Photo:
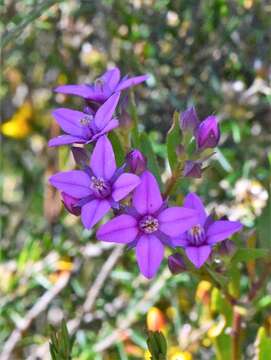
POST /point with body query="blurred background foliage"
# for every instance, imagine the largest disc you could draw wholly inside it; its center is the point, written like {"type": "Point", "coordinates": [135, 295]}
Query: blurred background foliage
{"type": "Point", "coordinates": [214, 54]}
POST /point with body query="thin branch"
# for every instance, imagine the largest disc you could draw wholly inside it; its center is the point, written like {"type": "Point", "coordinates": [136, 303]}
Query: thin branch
{"type": "Point", "coordinates": [95, 289]}
{"type": "Point", "coordinates": [141, 307]}
{"type": "Point", "coordinates": [40, 306]}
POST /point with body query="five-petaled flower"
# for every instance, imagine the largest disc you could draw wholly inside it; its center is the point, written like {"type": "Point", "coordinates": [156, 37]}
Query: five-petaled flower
{"type": "Point", "coordinates": [103, 87]}
{"type": "Point", "coordinates": [82, 128]}
{"type": "Point", "coordinates": [201, 237]}
{"type": "Point", "coordinates": [98, 187]}
{"type": "Point", "coordinates": [148, 225]}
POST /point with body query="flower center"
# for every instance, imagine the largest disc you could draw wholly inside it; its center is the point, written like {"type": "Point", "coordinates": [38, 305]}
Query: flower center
{"type": "Point", "coordinates": [86, 120]}
{"type": "Point", "coordinates": [196, 235]}
{"type": "Point", "coordinates": [149, 224]}
{"type": "Point", "coordinates": [100, 187]}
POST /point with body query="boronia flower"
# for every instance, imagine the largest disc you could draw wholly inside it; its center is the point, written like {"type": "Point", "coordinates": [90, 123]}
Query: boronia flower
{"type": "Point", "coordinates": [98, 187]}
{"type": "Point", "coordinates": [103, 87]}
{"type": "Point", "coordinates": [149, 225]}
{"type": "Point", "coordinates": [201, 237]}
{"type": "Point", "coordinates": [82, 128]}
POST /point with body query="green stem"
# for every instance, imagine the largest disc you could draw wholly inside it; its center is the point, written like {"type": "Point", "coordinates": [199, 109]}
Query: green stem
{"type": "Point", "coordinates": [220, 286]}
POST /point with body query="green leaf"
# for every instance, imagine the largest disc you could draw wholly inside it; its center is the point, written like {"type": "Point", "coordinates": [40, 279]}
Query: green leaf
{"type": "Point", "coordinates": [246, 255]}
{"type": "Point", "coordinates": [157, 345]}
{"type": "Point", "coordinates": [223, 346]}
{"type": "Point", "coordinates": [146, 148]}
{"type": "Point", "coordinates": [173, 140]}
{"type": "Point", "coordinates": [61, 343]}
{"type": "Point", "coordinates": [117, 147]}
{"type": "Point", "coordinates": [264, 225]}
{"type": "Point", "coordinates": [263, 344]}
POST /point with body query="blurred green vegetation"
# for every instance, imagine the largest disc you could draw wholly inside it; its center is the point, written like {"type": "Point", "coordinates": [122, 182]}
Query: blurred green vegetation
{"type": "Point", "coordinates": [214, 54]}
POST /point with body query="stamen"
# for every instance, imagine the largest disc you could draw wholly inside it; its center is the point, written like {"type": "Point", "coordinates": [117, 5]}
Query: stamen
{"type": "Point", "coordinates": [149, 224]}
{"type": "Point", "coordinates": [196, 235]}
{"type": "Point", "coordinates": [100, 187]}
{"type": "Point", "coordinates": [86, 120]}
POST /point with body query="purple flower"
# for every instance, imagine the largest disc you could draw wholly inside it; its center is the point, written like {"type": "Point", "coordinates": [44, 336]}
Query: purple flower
{"type": "Point", "coordinates": [208, 133]}
{"type": "Point", "coordinates": [70, 204]}
{"type": "Point", "coordinates": [103, 87]}
{"type": "Point", "coordinates": [82, 128]}
{"type": "Point", "coordinates": [176, 264]}
{"type": "Point", "coordinates": [136, 161]}
{"type": "Point", "coordinates": [201, 237]}
{"type": "Point", "coordinates": [99, 187]}
{"type": "Point", "coordinates": [189, 119]}
{"type": "Point", "coordinates": [149, 225]}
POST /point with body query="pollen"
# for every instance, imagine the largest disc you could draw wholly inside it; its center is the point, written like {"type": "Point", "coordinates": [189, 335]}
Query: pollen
{"type": "Point", "coordinates": [149, 224]}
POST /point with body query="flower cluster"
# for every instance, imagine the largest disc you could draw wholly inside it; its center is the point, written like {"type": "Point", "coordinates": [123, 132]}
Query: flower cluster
{"type": "Point", "coordinates": [143, 218]}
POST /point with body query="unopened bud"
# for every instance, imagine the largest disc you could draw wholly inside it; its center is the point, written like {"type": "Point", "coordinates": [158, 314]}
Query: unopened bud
{"type": "Point", "coordinates": [70, 204]}
{"type": "Point", "coordinates": [192, 169]}
{"type": "Point", "coordinates": [189, 119]}
{"type": "Point", "coordinates": [136, 161]}
{"type": "Point", "coordinates": [80, 155]}
{"type": "Point", "coordinates": [176, 264]}
{"type": "Point", "coordinates": [208, 133]}
{"type": "Point", "coordinates": [227, 248]}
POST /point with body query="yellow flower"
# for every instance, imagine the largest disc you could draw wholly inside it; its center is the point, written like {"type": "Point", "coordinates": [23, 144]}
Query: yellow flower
{"type": "Point", "coordinates": [155, 319]}
{"type": "Point", "coordinates": [176, 354]}
{"type": "Point", "coordinates": [17, 126]}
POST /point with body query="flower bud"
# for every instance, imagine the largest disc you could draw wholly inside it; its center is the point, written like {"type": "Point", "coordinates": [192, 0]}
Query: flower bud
{"type": "Point", "coordinates": [176, 264]}
{"type": "Point", "coordinates": [80, 156]}
{"type": "Point", "coordinates": [192, 169]}
{"type": "Point", "coordinates": [70, 204]}
{"type": "Point", "coordinates": [208, 133]}
{"type": "Point", "coordinates": [136, 161]}
{"type": "Point", "coordinates": [227, 248]}
{"type": "Point", "coordinates": [189, 119]}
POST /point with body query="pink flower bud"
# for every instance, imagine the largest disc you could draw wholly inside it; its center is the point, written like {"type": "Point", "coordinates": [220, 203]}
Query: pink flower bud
{"type": "Point", "coordinates": [136, 161]}
{"type": "Point", "coordinates": [208, 133]}
{"type": "Point", "coordinates": [189, 119]}
{"type": "Point", "coordinates": [176, 264]}
{"type": "Point", "coordinates": [70, 204]}
{"type": "Point", "coordinates": [192, 169]}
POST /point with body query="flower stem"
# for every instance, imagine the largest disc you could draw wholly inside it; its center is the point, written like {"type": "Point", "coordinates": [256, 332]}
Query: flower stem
{"type": "Point", "coordinates": [221, 287]}
{"type": "Point", "coordinates": [236, 330]}
{"type": "Point", "coordinates": [173, 180]}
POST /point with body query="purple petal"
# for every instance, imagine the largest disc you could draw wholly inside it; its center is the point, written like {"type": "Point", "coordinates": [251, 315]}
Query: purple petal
{"type": "Point", "coordinates": [180, 240]}
{"type": "Point", "coordinates": [193, 201]}
{"type": "Point", "coordinates": [198, 255]}
{"type": "Point", "coordinates": [147, 197]}
{"type": "Point", "coordinates": [149, 255]}
{"type": "Point", "coordinates": [111, 78]}
{"type": "Point", "coordinates": [176, 220]}
{"type": "Point", "coordinates": [69, 121]}
{"type": "Point", "coordinates": [126, 83]}
{"type": "Point", "coordinates": [75, 183]}
{"type": "Point", "coordinates": [84, 90]}
{"type": "Point", "coordinates": [114, 123]}
{"type": "Point", "coordinates": [103, 162]}
{"type": "Point", "coordinates": [124, 185]}
{"type": "Point", "coordinates": [121, 229]}
{"type": "Point", "coordinates": [65, 139]}
{"type": "Point", "coordinates": [221, 230]}
{"type": "Point", "coordinates": [106, 111]}
{"type": "Point", "coordinates": [93, 212]}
